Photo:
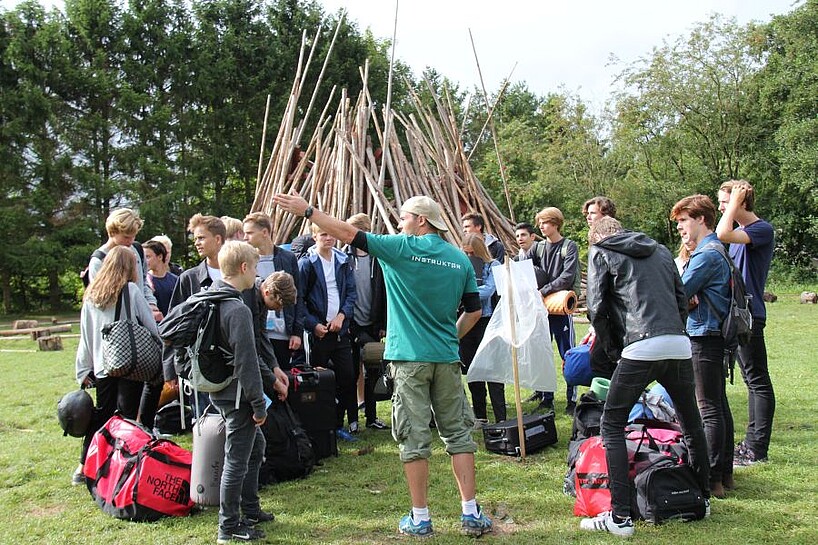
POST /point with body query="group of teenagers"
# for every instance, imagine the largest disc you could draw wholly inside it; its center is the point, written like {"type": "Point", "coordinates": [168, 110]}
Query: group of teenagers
{"type": "Point", "coordinates": [652, 321]}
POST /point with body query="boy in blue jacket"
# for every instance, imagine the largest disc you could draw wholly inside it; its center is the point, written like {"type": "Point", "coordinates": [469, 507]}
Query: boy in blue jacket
{"type": "Point", "coordinates": [329, 298]}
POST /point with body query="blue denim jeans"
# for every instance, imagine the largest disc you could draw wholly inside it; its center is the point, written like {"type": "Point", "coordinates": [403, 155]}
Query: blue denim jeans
{"type": "Point", "coordinates": [628, 382]}
{"type": "Point", "coordinates": [244, 447]}
{"type": "Point", "coordinates": [711, 394]}
{"type": "Point", "coordinates": [752, 360]}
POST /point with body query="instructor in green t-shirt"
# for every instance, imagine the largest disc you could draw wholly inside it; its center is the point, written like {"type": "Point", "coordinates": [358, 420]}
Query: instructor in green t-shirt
{"type": "Point", "coordinates": [426, 280]}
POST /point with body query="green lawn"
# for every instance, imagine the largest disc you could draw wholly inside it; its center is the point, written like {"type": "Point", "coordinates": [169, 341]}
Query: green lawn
{"type": "Point", "coordinates": [360, 496]}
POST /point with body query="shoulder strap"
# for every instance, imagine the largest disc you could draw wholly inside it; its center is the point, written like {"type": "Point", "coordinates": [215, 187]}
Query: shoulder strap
{"type": "Point", "coordinates": [139, 250]}
{"type": "Point", "coordinates": [99, 254]}
{"type": "Point", "coordinates": [124, 299]}
{"type": "Point", "coordinates": [539, 251]}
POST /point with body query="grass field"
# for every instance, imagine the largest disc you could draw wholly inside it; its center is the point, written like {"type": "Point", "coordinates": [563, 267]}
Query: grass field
{"type": "Point", "coordinates": [359, 496]}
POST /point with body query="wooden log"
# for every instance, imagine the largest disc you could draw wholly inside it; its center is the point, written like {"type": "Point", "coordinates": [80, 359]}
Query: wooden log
{"type": "Point", "coordinates": [49, 343]}
{"type": "Point", "coordinates": [24, 324]}
{"type": "Point", "coordinates": [59, 328]}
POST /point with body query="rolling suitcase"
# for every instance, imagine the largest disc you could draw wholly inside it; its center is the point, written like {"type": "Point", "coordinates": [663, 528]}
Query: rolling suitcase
{"type": "Point", "coordinates": [312, 398]}
{"type": "Point", "coordinates": [208, 458]}
{"type": "Point", "coordinates": [502, 437]}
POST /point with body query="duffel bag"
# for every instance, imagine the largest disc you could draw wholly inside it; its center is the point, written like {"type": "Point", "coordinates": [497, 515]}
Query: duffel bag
{"type": "Point", "coordinates": [132, 475]}
{"type": "Point", "coordinates": [668, 490]}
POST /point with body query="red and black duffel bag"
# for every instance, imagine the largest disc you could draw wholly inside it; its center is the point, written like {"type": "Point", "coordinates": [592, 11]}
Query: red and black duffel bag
{"type": "Point", "coordinates": [132, 475]}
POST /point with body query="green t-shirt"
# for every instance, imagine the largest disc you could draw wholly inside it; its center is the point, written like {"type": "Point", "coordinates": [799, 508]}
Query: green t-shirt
{"type": "Point", "coordinates": [426, 278]}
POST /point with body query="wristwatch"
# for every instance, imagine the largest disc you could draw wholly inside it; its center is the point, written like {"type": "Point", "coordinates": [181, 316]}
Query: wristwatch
{"type": "Point", "coordinates": [308, 212]}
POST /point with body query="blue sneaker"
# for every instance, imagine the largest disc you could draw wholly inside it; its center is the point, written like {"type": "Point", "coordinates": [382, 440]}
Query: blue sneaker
{"type": "Point", "coordinates": [408, 527]}
{"type": "Point", "coordinates": [344, 435]}
{"type": "Point", "coordinates": [475, 526]}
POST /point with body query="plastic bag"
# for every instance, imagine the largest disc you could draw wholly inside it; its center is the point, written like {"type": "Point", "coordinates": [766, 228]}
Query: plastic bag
{"type": "Point", "coordinates": [535, 355]}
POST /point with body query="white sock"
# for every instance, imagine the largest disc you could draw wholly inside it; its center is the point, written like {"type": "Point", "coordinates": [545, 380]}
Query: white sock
{"type": "Point", "coordinates": [470, 507]}
{"type": "Point", "coordinates": [419, 514]}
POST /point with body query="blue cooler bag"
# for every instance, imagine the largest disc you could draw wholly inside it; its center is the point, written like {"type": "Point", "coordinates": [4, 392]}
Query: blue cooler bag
{"type": "Point", "coordinates": [577, 366]}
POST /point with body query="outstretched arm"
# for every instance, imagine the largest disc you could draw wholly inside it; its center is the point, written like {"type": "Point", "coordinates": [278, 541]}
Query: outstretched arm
{"type": "Point", "coordinates": [295, 204]}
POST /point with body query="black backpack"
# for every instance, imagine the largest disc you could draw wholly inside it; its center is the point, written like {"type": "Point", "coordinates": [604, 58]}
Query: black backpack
{"type": "Point", "coordinates": [193, 326]}
{"type": "Point", "coordinates": [737, 326]}
{"type": "Point", "coordinates": [587, 423]}
{"type": "Point", "coordinates": [289, 454]}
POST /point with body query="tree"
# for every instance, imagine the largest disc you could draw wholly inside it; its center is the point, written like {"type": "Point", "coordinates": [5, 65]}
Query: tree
{"type": "Point", "coordinates": [684, 117]}
{"type": "Point", "coordinates": [786, 152]}
{"type": "Point", "coordinates": [41, 224]}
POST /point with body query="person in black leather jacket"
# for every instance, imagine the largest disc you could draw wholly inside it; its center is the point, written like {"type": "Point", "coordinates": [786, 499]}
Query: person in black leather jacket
{"type": "Point", "coordinates": [636, 301]}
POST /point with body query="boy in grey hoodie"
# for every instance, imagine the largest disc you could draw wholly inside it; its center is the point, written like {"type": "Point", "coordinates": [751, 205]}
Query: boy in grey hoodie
{"type": "Point", "coordinates": [241, 403]}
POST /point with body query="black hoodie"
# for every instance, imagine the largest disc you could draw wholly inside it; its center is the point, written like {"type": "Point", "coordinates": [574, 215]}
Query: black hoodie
{"type": "Point", "coordinates": [634, 291]}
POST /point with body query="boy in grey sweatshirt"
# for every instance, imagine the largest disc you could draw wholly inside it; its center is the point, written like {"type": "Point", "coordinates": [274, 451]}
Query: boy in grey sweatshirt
{"type": "Point", "coordinates": [241, 403]}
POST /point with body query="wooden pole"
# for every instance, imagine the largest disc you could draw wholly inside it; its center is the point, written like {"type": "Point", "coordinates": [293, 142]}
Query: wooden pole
{"type": "Point", "coordinates": [512, 320]}
{"type": "Point", "coordinates": [387, 129]}
{"type": "Point", "coordinates": [493, 133]}
{"type": "Point", "coordinates": [263, 140]}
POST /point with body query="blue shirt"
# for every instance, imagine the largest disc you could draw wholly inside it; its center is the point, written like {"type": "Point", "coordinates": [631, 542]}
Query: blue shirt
{"type": "Point", "coordinates": [753, 260]}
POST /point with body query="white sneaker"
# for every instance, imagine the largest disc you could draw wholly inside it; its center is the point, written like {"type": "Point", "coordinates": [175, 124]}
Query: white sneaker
{"type": "Point", "coordinates": [604, 523]}
{"type": "Point", "coordinates": [480, 423]}
{"type": "Point", "coordinates": [78, 477]}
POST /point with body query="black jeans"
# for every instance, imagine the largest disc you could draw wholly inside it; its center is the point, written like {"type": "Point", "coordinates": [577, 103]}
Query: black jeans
{"type": "Point", "coordinates": [752, 360]}
{"type": "Point", "coordinates": [711, 394]}
{"type": "Point", "coordinates": [149, 403]}
{"type": "Point", "coordinates": [334, 352]}
{"type": "Point", "coordinates": [497, 393]}
{"type": "Point", "coordinates": [628, 382]}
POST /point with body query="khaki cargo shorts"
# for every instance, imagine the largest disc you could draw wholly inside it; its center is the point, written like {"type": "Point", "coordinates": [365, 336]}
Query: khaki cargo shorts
{"type": "Point", "coordinates": [423, 387]}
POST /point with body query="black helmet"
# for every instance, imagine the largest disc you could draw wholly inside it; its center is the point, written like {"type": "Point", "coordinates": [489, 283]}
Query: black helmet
{"type": "Point", "coordinates": [75, 411]}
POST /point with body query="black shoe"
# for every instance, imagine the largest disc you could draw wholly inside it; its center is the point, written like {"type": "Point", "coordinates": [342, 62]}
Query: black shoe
{"type": "Point", "coordinates": [569, 408]}
{"type": "Point", "coordinates": [377, 424]}
{"type": "Point", "coordinates": [545, 407]}
{"type": "Point", "coordinates": [536, 396]}
{"type": "Point", "coordinates": [747, 459]}
{"type": "Point", "coordinates": [241, 533]}
{"type": "Point", "coordinates": [260, 517]}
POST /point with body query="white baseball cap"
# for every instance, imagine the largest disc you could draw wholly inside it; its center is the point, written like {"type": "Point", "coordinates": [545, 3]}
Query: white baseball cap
{"type": "Point", "coordinates": [426, 207]}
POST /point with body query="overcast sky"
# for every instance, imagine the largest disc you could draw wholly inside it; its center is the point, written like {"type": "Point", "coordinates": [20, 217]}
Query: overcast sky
{"type": "Point", "coordinates": [557, 46]}
{"type": "Point", "coordinates": [563, 45]}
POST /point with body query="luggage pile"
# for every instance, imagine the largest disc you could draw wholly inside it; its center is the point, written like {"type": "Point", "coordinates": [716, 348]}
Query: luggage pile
{"type": "Point", "coordinates": [664, 485]}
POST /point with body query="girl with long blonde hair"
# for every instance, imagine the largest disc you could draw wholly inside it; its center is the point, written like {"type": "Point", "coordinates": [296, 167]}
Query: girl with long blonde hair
{"type": "Point", "coordinates": [117, 273]}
